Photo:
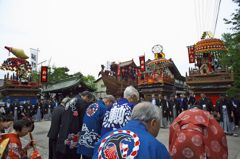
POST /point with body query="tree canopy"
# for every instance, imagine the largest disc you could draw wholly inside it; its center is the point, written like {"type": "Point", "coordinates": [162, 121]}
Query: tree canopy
{"type": "Point", "coordinates": [56, 74]}
{"type": "Point", "coordinates": [232, 42]}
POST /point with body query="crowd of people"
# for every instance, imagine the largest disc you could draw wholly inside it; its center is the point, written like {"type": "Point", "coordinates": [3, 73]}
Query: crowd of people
{"type": "Point", "coordinates": [83, 127]}
{"type": "Point", "coordinates": [109, 128]}
{"type": "Point", "coordinates": [18, 110]}
{"type": "Point", "coordinates": [226, 110]}
{"type": "Point", "coordinates": [16, 121]}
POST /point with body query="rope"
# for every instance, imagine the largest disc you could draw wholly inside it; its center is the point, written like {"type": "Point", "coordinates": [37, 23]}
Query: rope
{"type": "Point", "coordinates": [197, 21]}
{"type": "Point", "coordinates": [199, 16]}
{"type": "Point", "coordinates": [206, 15]}
{"type": "Point", "coordinates": [218, 9]}
{"type": "Point", "coordinates": [203, 14]}
{"type": "Point", "coordinates": [214, 15]}
{"type": "Point", "coordinates": [210, 6]}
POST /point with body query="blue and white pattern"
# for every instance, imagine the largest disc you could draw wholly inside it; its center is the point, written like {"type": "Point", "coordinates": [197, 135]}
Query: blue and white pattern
{"type": "Point", "coordinates": [117, 116]}
{"type": "Point", "coordinates": [91, 128]}
{"type": "Point", "coordinates": [132, 141]}
{"type": "Point", "coordinates": [72, 104]}
{"type": "Point", "coordinates": [91, 110]}
{"type": "Point", "coordinates": [88, 137]}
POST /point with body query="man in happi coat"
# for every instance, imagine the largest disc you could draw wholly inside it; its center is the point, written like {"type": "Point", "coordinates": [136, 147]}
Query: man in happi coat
{"type": "Point", "coordinates": [136, 139]}
{"type": "Point", "coordinates": [118, 114]}
{"type": "Point", "coordinates": [92, 124]}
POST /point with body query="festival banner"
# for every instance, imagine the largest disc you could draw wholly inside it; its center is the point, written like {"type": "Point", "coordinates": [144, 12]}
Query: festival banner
{"type": "Point", "coordinates": [191, 54]}
{"type": "Point", "coordinates": [142, 63]}
{"type": "Point", "coordinates": [44, 74]}
{"type": "Point", "coordinates": [34, 58]}
{"type": "Point", "coordinates": [118, 71]}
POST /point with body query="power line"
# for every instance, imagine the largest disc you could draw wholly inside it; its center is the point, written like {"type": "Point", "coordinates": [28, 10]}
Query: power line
{"type": "Point", "coordinates": [214, 15]}
{"type": "Point", "coordinates": [206, 15]}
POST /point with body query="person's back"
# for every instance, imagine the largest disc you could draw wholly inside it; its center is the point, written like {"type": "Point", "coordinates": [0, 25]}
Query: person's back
{"type": "Point", "coordinates": [91, 129]}
{"type": "Point", "coordinates": [72, 125]}
{"type": "Point", "coordinates": [136, 139]}
{"type": "Point", "coordinates": [120, 112]}
{"type": "Point", "coordinates": [196, 134]}
{"type": "Point", "coordinates": [56, 122]}
{"type": "Point", "coordinates": [117, 115]}
{"type": "Point", "coordinates": [71, 121]}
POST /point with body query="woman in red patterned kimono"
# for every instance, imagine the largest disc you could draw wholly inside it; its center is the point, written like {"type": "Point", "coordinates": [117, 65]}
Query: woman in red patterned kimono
{"type": "Point", "coordinates": [14, 149]}
{"type": "Point", "coordinates": [195, 134]}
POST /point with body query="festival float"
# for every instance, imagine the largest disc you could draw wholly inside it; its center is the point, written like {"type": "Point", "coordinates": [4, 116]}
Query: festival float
{"type": "Point", "coordinates": [119, 77]}
{"type": "Point", "coordinates": [159, 76]}
{"type": "Point", "coordinates": [208, 76]}
{"type": "Point", "coordinates": [19, 85]}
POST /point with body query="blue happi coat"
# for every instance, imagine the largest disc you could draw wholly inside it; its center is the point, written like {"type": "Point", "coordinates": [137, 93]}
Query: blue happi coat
{"type": "Point", "coordinates": [131, 141]}
{"type": "Point", "coordinates": [91, 128]}
{"type": "Point", "coordinates": [117, 115]}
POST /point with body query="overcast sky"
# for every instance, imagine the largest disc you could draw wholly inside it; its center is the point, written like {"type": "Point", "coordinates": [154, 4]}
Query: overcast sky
{"type": "Point", "coordinates": [83, 34]}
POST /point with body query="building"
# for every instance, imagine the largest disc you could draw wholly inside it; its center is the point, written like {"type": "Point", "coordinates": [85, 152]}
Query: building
{"type": "Point", "coordinates": [101, 89]}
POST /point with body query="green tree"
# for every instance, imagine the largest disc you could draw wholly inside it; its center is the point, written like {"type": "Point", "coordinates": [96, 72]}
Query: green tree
{"type": "Point", "coordinates": [35, 76]}
{"type": "Point", "coordinates": [232, 42]}
{"type": "Point", "coordinates": [57, 73]}
{"type": "Point", "coordinates": [89, 81]}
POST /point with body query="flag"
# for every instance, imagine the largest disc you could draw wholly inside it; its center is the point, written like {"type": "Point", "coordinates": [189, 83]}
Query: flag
{"type": "Point", "coordinates": [44, 74]}
{"type": "Point", "coordinates": [34, 58]}
{"type": "Point", "coordinates": [118, 71]}
{"type": "Point", "coordinates": [142, 63]}
{"type": "Point", "coordinates": [191, 55]}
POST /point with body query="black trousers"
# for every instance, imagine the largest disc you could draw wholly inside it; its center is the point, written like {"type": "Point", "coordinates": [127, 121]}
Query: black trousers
{"type": "Point", "coordinates": [85, 157]}
{"type": "Point", "coordinates": [52, 149]}
{"type": "Point", "coordinates": [236, 117]}
{"type": "Point", "coordinates": [60, 155]}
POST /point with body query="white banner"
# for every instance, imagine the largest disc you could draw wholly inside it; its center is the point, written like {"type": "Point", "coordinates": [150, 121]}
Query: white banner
{"type": "Point", "coordinates": [34, 58]}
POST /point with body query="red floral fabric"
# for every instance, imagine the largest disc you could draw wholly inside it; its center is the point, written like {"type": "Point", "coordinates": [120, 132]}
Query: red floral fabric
{"type": "Point", "coordinates": [14, 149]}
{"type": "Point", "coordinates": [195, 134]}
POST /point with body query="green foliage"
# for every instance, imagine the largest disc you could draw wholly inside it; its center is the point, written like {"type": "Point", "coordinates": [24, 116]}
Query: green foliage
{"type": "Point", "coordinates": [78, 74]}
{"type": "Point", "coordinates": [89, 81]}
{"type": "Point", "coordinates": [35, 76]}
{"type": "Point", "coordinates": [57, 73]}
{"type": "Point", "coordinates": [235, 21]}
{"type": "Point", "coordinates": [232, 58]}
